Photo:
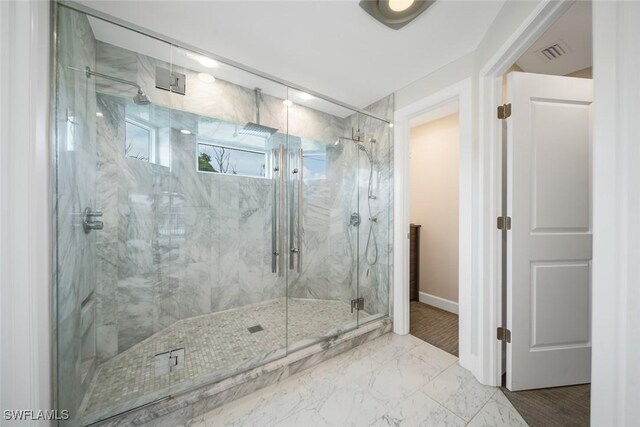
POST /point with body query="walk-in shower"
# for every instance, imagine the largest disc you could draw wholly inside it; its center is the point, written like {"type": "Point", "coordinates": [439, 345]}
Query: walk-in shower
{"type": "Point", "coordinates": [219, 219]}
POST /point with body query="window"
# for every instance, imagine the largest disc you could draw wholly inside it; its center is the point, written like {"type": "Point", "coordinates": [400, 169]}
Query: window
{"type": "Point", "coordinates": [139, 141]}
{"type": "Point", "coordinates": [315, 165]}
{"type": "Point", "coordinates": [234, 161]}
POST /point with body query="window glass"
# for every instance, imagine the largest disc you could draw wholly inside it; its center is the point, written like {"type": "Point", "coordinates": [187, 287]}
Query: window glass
{"type": "Point", "coordinates": [315, 165]}
{"type": "Point", "coordinates": [138, 141]}
{"type": "Point", "coordinates": [234, 161]}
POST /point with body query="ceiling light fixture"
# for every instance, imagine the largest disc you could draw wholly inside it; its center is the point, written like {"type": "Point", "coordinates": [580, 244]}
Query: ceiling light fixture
{"type": "Point", "coordinates": [287, 103]}
{"type": "Point", "coordinates": [395, 14]}
{"type": "Point", "coordinates": [206, 78]}
{"type": "Point", "coordinates": [400, 5]}
{"type": "Point", "coordinates": [185, 132]}
{"type": "Point", "coordinates": [99, 114]}
{"type": "Point", "coordinates": [305, 96]}
{"type": "Point", "coordinates": [203, 60]}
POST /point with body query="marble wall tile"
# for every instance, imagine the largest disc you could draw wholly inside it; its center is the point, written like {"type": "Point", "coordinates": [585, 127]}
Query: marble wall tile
{"type": "Point", "coordinates": [135, 309]}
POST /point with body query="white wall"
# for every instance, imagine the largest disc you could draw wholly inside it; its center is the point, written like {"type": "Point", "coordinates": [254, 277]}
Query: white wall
{"type": "Point", "coordinates": [454, 72]}
{"type": "Point", "coordinates": [433, 203]}
{"type": "Point", "coordinates": [511, 18]}
{"type": "Point", "coordinates": [615, 383]}
{"type": "Point", "coordinates": [25, 276]}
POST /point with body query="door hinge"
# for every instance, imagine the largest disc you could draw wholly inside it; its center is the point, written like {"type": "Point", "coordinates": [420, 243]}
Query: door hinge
{"type": "Point", "coordinates": [357, 304]}
{"type": "Point", "coordinates": [504, 111]}
{"type": "Point", "coordinates": [504, 223]}
{"type": "Point", "coordinates": [504, 334]}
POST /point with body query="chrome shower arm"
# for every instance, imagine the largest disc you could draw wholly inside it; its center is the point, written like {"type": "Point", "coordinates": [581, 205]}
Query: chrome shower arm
{"type": "Point", "coordinates": [89, 72]}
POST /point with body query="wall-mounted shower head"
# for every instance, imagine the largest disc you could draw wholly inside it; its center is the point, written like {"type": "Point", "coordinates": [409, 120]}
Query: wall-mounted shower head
{"type": "Point", "coordinates": [141, 98]}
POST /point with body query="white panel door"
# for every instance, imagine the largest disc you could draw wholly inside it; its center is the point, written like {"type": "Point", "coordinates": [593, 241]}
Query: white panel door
{"type": "Point", "coordinates": [550, 243]}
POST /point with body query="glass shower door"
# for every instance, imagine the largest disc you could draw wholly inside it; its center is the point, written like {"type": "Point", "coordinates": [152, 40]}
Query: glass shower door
{"type": "Point", "coordinates": [322, 216]}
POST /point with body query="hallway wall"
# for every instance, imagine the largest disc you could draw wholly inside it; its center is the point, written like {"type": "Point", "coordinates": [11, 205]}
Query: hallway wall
{"type": "Point", "coordinates": [434, 169]}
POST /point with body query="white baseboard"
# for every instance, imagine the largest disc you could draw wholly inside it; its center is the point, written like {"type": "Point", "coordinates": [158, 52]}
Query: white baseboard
{"type": "Point", "coordinates": [444, 304]}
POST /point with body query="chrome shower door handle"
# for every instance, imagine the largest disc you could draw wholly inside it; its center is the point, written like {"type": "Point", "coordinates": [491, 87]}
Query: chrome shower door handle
{"type": "Point", "coordinates": [292, 201]}
{"type": "Point", "coordinates": [281, 210]}
{"type": "Point", "coordinates": [300, 210]}
{"type": "Point", "coordinates": [274, 215]}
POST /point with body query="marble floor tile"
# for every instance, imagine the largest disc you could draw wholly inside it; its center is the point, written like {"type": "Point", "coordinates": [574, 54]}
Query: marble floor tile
{"type": "Point", "coordinates": [498, 412]}
{"type": "Point", "coordinates": [390, 381]}
{"type": "Point", "coordinates": [391, 346]}
{"type": "Point", "coordinates": [457, 390]}
{"type": "Point", "coordinates": [419, 410]}
{"type": "Point", "coordinates": [432, 355]}
{"type": "Point", "coordinates": [348, 406]}
{"type": "Point", "coordinates": [399, 377]}
{"type": "Point", "coordinates": [266, 407]}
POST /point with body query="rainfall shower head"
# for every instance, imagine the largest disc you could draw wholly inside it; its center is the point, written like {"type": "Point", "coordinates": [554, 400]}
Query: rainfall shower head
{"type": "Point", "coordinates": [256, 129]}
{"type": "Point", "coordinates": [140, 98]}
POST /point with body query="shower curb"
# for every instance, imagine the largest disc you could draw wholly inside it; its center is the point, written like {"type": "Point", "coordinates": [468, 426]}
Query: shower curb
{"type": "Point", "coordinates": [178, 409]}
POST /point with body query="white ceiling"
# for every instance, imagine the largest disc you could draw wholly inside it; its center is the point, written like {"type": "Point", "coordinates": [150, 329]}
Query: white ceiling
{"type": "Point", "coordinates": [331, 47]}
{"type": "Point", "coordinates": [573, 30]}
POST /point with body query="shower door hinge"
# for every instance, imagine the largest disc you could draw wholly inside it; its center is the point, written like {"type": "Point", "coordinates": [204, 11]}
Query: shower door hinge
{"type": "Point", "coordinates": [504, 111]}
{"type": "Point", "coordinates": [357, 304]}
{"type": "Point", "coordinates": [504, 335]}
{"type": "Point", "coordinates": [504, 223]}
{"type": "Point", "coordinates": [171, 80]}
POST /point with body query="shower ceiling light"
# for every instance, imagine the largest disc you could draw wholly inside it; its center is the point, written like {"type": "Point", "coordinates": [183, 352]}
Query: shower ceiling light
{"type": "Point", "coordinates": [206, 78]}
{"type": "Point", "coordinates": [395, 14]}
{"type": "Point", "coordinates": [203, 60]}
{"type": "Point", "coordinates": [305, 96]}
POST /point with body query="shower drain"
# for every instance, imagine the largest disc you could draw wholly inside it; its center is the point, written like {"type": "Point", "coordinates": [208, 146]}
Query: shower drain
{"type": "Point", "coordinates": [256, 328]}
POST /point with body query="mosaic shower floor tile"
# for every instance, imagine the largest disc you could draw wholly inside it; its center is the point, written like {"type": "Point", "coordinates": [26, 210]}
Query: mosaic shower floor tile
{"type": "Point", "coordinates": [217, 343]}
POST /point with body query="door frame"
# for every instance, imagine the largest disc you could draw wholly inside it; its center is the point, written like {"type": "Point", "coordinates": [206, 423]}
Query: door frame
{"type": "Point", "coordinates": [480, 195]}
{"type": "Point", "coordinates": [460, 93]}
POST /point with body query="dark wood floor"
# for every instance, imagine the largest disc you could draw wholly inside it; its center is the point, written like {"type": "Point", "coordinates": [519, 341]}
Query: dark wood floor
{"type": "Point", "coordinates": [435, 326]}
{"type": "Point", "coordinates": [549, 407]}
{"type": "Point", "coordinates": [553, 407]}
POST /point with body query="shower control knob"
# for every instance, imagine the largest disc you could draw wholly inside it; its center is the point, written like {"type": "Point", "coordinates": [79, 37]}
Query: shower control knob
{"type": "Point", "coordinates": [88, 221]}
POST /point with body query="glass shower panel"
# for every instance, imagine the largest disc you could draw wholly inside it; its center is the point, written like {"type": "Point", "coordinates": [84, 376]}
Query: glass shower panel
{"type": "Point", "coordinates": [109, 164]}
{"type": "Point", "coordinates": [324, 212]}
{"type": "Point", "coordinates": [374, 203]}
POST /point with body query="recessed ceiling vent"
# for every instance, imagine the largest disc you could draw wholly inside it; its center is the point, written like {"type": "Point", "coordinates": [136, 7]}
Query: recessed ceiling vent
{"type": "Point", "coordinates": [555, 51]}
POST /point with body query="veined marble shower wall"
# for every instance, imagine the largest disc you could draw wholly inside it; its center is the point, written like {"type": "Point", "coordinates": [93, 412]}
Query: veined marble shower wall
{"type": "Point", "coordinates": [76, 175]}
{"type": "Point", "coordinates": [222, 224]}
